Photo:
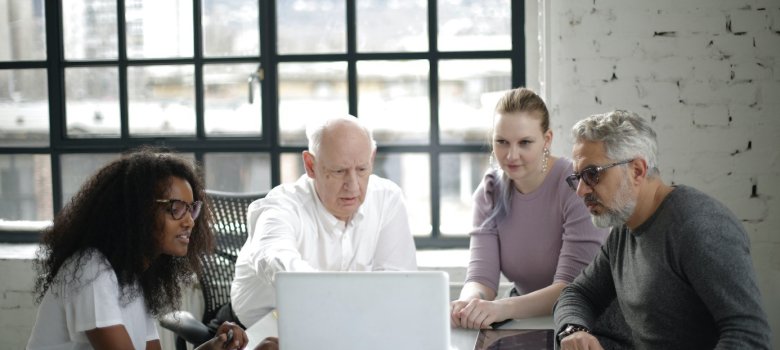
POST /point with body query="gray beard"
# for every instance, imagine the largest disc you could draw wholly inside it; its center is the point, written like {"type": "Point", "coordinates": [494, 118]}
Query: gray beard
{"type": "Point", "coordinates": [624, 207]}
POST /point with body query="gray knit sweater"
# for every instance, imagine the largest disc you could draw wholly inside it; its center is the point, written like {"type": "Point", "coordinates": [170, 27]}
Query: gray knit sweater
{"type": "Point", "coordinates": [683, 279]}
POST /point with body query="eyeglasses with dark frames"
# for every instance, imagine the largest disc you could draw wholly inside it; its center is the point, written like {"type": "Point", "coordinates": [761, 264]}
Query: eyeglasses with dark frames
{"type": "Point", "coordinates": [177, 208]}
{"type": "Point", "coordinates": [590, 174]}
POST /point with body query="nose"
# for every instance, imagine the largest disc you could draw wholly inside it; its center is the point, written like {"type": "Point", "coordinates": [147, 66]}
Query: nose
{"type": "Point", "coordinates": [187, 221]}
{"type": "Point", "coordinates": [583, 188]}
{"type": "Point", "coordinates": [351, 180]}
{"type": "Point", "coordinates": [513, 152]}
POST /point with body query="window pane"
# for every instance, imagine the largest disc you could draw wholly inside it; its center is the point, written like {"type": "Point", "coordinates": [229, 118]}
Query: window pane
{"type": "Point", "coordinates": [393, 100]}
{"type": "Point", "coordinates": [231, 28]}
{"type": "Point", "coordinates": [25, 187]}
{"type": "Point", "coordinates": [311, 26]}
{"type": "Point", "coordinates": [475, 25]}
{"type": "Point", "coordinates": [292, 167]}
{"type": "Point", "coordinates": [24, 108]}
{"type": "Point", "coordinates": [158, 29]}
{"type": "Point", "coordinates": [468, 93]}
{"type": "Point", "coordinates": [92, 102]}
{"type": "Point", "coordinates": [459, 177]}
{"type": "Point", "coordinates": [161, 100]}
{"type": "Point", "coordinates": [77, 168]}
{"type": "Point", "coordinates": [309, 90]}
{"type": "Point", "coordinates": [90, 29]}
{"type": "Point", "coordinates": [238, 172]}
{"type": "Point", "coordinates": [22, 30]}
{"type": "Point", "coordinates": [411, 172]}
{"type": "Point", "coordinates": [227, 110]}
{"type": "Point", "coordinates": [392, 26]}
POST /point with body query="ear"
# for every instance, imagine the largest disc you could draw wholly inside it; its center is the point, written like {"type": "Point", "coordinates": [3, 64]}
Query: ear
{"type": "Point", "coordinates": [638, 168]}
{"type": "Point", "coordinates": [548, 137]}
{"type": "Point", "coordinates": [308, 163]}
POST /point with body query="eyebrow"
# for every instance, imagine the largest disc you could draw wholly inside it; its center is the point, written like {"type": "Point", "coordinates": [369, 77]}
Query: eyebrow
{"type": "Point", "coordinates": [524, 138]}
{"type": "Point", "coordinates": [583, 168]}
{"type": "Point", "coordinates": [181, 200]}
{"type": "Point", "coordinates": [348, 167]}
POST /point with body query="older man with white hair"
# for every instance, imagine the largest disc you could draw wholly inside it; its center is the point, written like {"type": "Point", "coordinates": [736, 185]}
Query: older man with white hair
{"type": "Point", "coordinates": [336, 217]}
{"type": "Point", "coordinates": [677, 261]}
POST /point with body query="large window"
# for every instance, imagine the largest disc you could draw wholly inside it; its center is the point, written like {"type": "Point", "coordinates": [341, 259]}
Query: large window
{"type": "Point", "coordinates": [232, 84]}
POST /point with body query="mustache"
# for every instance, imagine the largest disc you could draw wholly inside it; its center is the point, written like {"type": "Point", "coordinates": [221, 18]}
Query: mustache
{"type": "Point", "coordinates": [590, 198]}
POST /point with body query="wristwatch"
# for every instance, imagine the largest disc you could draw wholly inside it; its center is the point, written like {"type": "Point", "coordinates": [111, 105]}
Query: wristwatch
{"type": "Point", "coordinates": [569, 330]}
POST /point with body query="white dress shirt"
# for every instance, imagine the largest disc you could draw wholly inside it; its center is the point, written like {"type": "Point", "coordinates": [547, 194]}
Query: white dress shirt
{"type": "Point", "coordinates": [290, 230]}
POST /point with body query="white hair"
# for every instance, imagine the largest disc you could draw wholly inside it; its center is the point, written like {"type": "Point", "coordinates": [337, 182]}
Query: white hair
{"type": "Point", "coordinates": [625, 136]}
{"type": "Point", "coordinates": [315, 129]}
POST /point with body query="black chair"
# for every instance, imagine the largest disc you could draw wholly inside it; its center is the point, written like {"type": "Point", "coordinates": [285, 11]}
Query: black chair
{"type": "Point", "coordinates": [229, 226]}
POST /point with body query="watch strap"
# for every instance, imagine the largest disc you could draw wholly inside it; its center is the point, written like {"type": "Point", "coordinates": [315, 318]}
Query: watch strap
{"type": "Point", "coordinates": [570, 329]}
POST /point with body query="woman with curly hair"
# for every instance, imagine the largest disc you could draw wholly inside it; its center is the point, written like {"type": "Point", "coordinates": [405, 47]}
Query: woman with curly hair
{"type": "Point", "coordinates": [118, 255]}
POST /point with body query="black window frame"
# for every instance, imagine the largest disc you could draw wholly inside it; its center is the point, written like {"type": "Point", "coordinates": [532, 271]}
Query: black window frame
{"type": "Point", "coordinates": [59, 144]}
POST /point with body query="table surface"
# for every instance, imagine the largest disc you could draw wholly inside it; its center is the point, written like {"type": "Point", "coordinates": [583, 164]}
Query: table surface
{"type": "Point", "coordinates": [460, 339]}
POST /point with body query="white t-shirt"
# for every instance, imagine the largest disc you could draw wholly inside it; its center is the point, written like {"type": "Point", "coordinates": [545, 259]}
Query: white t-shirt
{"type": "Point", "coordinates": [290, 230]}
{"type": "Point", "coordinates": [66, 313]}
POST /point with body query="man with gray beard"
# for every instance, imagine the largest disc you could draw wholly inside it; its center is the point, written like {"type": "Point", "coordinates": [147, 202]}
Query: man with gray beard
{"type": "Point", "coordinates": [677, 261]}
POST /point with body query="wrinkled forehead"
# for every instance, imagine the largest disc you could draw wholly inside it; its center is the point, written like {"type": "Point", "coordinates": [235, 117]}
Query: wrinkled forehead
{"type": "Point", "coordinates": [588, 153]}
{"type": "Point", "coordinates": [345, 154]}
{"type": "Point", "coordinates": [345, 160]}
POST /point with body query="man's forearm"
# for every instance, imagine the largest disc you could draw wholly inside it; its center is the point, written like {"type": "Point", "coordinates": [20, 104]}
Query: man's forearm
{"type": "Point", "coordinates": [573, 308]}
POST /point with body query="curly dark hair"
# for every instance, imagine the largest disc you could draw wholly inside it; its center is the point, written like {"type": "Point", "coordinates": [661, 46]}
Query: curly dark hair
{"type": "Point", "coordinates": [115, 213]}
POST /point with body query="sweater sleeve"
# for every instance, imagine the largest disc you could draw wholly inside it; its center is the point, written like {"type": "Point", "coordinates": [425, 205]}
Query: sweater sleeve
{"type": "Point", "coordinates": [715, 259]}
{"type": "Point", "coordinates": [484, 266]}
{"type": "Point", "coordinates": [590, 293]}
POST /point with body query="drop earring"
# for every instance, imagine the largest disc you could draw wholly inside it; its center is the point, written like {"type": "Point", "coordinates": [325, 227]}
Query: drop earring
{"type": "Point", "coordinates": [545, 155]}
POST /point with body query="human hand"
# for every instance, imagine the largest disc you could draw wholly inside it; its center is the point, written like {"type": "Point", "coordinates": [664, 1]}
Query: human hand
{"type": "Point", "coordinates": [455, 307]}
{"type": "Point", "coordinates": [270, 343]}
{"type": "Point", "coordinates": [229, 336]}
{"type": "Point", "coordinates": [580, 341]}
{"type": "Point", "coordinates": [475, 313]}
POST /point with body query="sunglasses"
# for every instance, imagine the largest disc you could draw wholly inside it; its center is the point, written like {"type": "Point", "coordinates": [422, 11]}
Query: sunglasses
{"type": "Point", "coordinates": [590, 175]}
{"type": "Point", "coordinates": [177, 208]}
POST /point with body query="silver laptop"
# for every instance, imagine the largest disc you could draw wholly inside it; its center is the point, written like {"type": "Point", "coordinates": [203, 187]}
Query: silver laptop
{"type": "Point", "coordinates": [363, 310]}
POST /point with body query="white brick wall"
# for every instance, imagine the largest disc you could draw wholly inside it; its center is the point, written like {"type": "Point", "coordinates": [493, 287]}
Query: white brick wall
{"type": "Point", "coordinates": [707, 72]}
{"type": "Point", "coordinates": [17, 305]}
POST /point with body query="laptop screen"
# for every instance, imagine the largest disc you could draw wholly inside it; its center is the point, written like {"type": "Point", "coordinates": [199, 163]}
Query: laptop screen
{"type": "Point", "coordinates": [363, 310]}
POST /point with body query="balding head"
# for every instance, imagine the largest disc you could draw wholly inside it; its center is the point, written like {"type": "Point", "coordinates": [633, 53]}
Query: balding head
{"type": "Point", "coordinates": [339, 161]}
{"type": "Point", "coordinates": [315, 131]}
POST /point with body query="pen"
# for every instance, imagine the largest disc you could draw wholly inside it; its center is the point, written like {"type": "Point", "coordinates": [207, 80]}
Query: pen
{"type": "Point", "coordinates": [229, 338]}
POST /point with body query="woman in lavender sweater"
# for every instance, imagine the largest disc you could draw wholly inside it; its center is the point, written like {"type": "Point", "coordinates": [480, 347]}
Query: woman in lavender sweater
{"type": "Point", "coordinates": [528, 224]}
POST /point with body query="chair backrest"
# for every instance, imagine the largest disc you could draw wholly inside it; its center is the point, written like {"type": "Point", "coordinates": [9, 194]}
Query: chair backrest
{"type": "Point", "coordinates": [229, 225]}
